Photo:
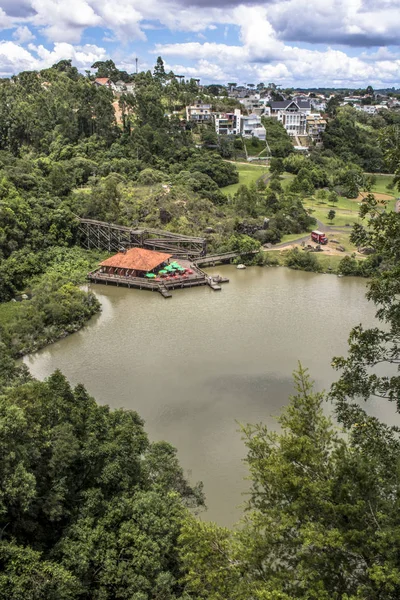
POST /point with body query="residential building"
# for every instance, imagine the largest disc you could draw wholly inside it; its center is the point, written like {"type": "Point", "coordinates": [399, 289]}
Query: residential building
{"type": "Point", "coordinates": [252, 126]}
{"type": "Point", "coordinates": [102, 81]}
{"type": "Point", "coordinates": [318, 104]}
{"type": "Point", "coordinates": [228, 123]}
{"type": "Point", "coordinates": [130, 87]}
{"type": "Point", "coordinates": [292, 114]}
{"type": "Point", "coordinates": [315, 126]}
{"type": "Point", "coordinates": [119, 86]}
{"type": "Point", "coordinates": [199, 113]}
{"type": "Point", "coordinates": [372, 109]}
{"type": "Point", "coordinates": [352, 100]}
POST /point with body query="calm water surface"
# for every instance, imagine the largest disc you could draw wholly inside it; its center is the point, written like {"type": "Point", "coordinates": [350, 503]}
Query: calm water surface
{"type": "Point", "coordinates": [196, 364]}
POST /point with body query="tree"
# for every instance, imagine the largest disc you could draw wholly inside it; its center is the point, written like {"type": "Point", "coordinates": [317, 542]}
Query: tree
{"type": "Point", "coordinates": [373, 348]}
{"type": "Point", "coordinates": [333, 197]}
{"type": "Point", "coordinates": [331, 215]}
{"type": "Point", "coordinates": [332, 105]}
{"type": "Point", "coordinates": [159, 70]}
{"type": "Point", "coordinates": [276, 166]}
{"type": "Point", "coordinates": [390, 143]}
{"type": "Point", "coordinates": [352, 181]}
{"type": "Point", "coordinates": [246, 200]}
{"type": "Point", "coordinates": [304, 261]}
{"type": "Point", "coordinates": [320, 515]}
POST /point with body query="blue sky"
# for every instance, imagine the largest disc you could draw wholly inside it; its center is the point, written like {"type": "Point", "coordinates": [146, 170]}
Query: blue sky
{"type": "Point", "coordinates": [292, 42]}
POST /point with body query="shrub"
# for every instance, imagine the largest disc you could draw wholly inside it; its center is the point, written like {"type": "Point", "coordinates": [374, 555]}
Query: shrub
{"type": "Point", "coordinates": [150, 176]}
{"type": "Point", "coordinates": [302, 261]}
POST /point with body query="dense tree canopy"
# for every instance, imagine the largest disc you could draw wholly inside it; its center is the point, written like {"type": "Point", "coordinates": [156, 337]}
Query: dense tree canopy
{"type": "Point", "coordinates": [88, 507]}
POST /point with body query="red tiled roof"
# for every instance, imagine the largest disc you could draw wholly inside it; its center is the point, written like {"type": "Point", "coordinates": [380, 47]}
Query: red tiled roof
{"type": "Point", "coordinates": [102, 80]}
{"type": "Point", "coordinates": [138, 259]}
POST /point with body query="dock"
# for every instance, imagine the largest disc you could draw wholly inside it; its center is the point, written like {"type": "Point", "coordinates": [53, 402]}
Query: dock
{"type": "Point", "coordinates": [163, 287]}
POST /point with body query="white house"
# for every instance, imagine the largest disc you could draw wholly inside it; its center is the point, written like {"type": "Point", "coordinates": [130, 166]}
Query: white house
{"type": "Point", "coordinates": [372, 109]}
{"type": "Point", "coordinates": [252, 126]}
{"type": "Point", "coordinates": [292, 114]}
{"type": "Point", "coordinates": [228, 123]}
{"type": "Point", "coordinates": [199, 113]}
{"type": "Point", "coordinates": [318, 104]}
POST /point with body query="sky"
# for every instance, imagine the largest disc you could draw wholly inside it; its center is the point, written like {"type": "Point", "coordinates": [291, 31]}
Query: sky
{"type": "Point", "coordinates": [293, 43]}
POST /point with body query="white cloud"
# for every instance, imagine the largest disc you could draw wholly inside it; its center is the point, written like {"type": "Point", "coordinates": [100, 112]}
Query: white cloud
{"type": "Point", "coordinates": [64, 21]}
{"type": "Point", "coordinates": [14, 58]}
{"type": "Point", "coordinates": [23, 35]}
{"type": "Point", "coordinates": [269, 45]}
{"type": "Point", "coordinates": [203, 70]}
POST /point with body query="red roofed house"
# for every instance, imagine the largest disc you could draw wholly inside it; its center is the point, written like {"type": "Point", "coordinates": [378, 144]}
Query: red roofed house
{"type": "Point", "coordinates": [102, 81]}
{"type": "Point", "coordinates": [135, 262]}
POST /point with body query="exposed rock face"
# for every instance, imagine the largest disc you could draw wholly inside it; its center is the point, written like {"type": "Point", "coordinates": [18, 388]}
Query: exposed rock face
{"type": "Point", "coordinates": [165, 216]}
{"type": "Point", "coordinates": [367, 250]}
{"type": "Point", "coordinates": [249, 228]}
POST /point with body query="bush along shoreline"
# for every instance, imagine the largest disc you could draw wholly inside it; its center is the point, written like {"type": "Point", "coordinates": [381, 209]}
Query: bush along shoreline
{"type": "Point", "coordinates": [56, 306]}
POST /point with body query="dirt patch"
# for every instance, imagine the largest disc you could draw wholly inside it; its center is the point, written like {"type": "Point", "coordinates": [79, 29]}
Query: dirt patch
{"type": "Point", "coordinates": [378, 197]}
{"type": "Point", "coordinates": [328, 250]}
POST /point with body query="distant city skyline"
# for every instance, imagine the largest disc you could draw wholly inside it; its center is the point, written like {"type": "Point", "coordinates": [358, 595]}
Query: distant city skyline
{"type": "Point", "coordinates": [294, 43]}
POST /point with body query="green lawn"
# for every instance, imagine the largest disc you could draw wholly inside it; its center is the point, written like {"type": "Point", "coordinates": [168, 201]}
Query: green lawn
{"type": "Point", "coordinates": [381, 183]}
{"type": "Point", "coordinates": [247, 175]}
{"type": "Point", "coordinates": [347, 208]}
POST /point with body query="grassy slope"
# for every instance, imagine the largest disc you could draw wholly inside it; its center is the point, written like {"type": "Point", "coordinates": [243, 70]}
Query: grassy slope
{"type": "Point", "coordinates": [247, 175]}
{"type": "Point", "coordinates": [347, 209]}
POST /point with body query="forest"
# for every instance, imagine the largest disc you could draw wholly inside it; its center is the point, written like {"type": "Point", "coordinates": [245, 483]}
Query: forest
{"type": "Point", "coordinates": [90, 509]}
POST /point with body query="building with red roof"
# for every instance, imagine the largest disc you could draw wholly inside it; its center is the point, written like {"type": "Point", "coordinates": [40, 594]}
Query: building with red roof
{"type": "Point", "coordinates": [134, 262]}
{"type": "Point", "coordinates": [102, 81]}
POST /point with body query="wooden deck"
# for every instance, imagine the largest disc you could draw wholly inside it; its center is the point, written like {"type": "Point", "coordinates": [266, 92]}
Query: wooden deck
{"type": "Point", "coordinates": [162, 286]}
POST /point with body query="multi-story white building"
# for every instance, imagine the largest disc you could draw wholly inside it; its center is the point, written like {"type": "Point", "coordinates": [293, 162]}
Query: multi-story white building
{"type": "Point", "coordinates": [199, 113]}
{"type": "Point", "coordinates": [292, 114]}
{"type": "Point", "coordinates": [315, 126]}
{"type": "Point", "coordinates": [252, 126]}
{"type": "Point", "coordinates": [228, 123]}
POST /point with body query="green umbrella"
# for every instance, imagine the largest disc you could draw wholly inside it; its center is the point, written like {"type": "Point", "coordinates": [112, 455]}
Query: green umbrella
{"type": "Point", "coordinates": [150, 275]}
{"type": "Point", "coordinates": [170, 268]}
{"type": "Point", "coordinates": [163, 272]}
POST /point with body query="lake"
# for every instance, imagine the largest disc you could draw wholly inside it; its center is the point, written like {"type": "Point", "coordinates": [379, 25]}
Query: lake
{"type": "Point", "coordinates": [195, 365]}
